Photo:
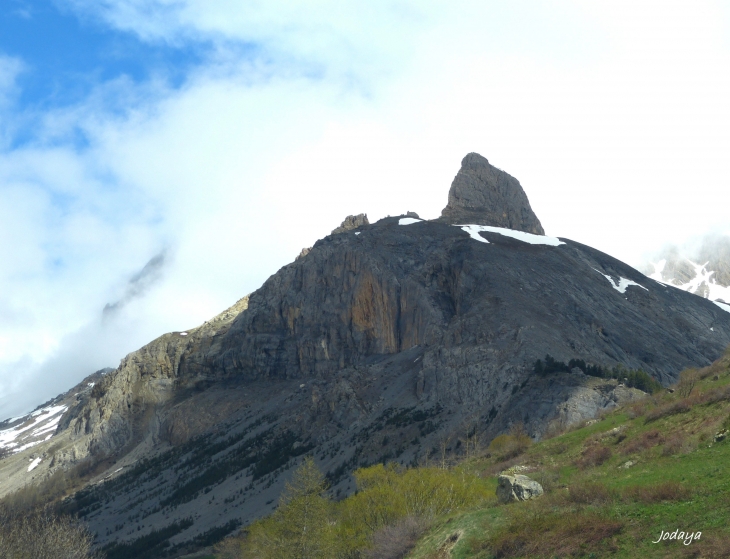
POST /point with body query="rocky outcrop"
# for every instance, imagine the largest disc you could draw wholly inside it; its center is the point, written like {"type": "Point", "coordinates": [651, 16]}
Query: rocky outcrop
{"type": "Point", "coordinates": [484, 195]}
{"type": "Point", "coordinates": [351, 222]}
{"type": "Point", "coordinates": [512, 488]}
{"type": "Point", "coordinates": [123, 406]}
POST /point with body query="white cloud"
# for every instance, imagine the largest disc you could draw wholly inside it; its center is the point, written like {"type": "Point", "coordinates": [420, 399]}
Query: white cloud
{"type": "Point", "coordinates": [616, 127]}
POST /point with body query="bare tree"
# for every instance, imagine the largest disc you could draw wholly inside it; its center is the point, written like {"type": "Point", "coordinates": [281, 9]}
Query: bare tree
{"type": "Point", "coordinates": [687, 380]}
{"type": "Point", "coordinates": [470, 440]}
{"type": "Point", "coordinates": [42, 535]}
{"type": "Point", "coordinates": [443, 448]}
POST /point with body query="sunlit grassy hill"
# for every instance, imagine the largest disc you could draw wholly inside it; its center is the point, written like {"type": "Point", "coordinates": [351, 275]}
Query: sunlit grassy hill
{"type": "Point", "coordinates": [613, 486]}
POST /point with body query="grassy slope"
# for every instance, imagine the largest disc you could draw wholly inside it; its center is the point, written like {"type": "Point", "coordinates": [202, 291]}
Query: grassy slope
{"type": "Point", "coordinates": [680, 480]}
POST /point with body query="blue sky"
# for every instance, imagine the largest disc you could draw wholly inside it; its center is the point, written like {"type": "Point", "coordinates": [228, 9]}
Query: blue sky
{"type": "Point", "coordinates": [65, 57]}
{"type": "Point", "coordinates": [227, 135]}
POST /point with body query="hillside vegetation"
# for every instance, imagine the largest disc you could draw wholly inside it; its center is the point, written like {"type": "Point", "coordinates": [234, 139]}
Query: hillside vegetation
{"type": "Point", "coordinates": [612, 488]}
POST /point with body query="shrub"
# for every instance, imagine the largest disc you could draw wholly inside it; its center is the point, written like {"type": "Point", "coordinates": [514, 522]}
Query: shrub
{"type": "Point", "coordinates": [717, 395]}
{"type": "Point", "coordinates": [646, 440]}
{"type": "Point", "coordinates": [591, 494]}
{"type": "Point", "coordinates": [672, 408]}
{"type": "Point", "coordinates": [548, 480]}
{"type": "Point", "coordinates": [42, 535]}
{"type": "Point", "coordinates": [594, 455]}
{"type": "Point", "coordinates": [555, 534]}
{"type": "Point", "coordinates": [396, 540]}
{"type": "Point", "coordinates": [507, 446]}
{"type": "Point", "coordinates": [650, 494]}
{"type": "Point", "coordinates": [677, 443]}
{"type": "Point", "coordinates": [387, 494]}
{"type": "Point", "coordinates": [687, 381]}
{"type": "Point", "coordinates": [638, 408]}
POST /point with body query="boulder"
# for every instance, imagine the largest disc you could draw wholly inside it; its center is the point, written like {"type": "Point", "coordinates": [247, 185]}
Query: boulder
{"type": "Point", "coordinates": [517, 488]}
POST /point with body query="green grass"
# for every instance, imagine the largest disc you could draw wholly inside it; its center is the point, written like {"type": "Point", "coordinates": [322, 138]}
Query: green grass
{"type": "Point", "coordinates": [680, 479]}
{"type": "Point", "coordinates": [466, 526]}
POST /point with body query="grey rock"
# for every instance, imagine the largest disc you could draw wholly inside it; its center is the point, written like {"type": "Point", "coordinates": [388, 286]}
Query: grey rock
{"type": "Point", "coordinates": [351, 222]}
{"type": "Point", "coordinates": [517, 488]}
{"type": "Point", "coordinates": [484, 195]}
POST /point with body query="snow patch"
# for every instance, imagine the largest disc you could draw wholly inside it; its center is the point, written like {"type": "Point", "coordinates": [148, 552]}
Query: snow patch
{"type": "Point", "coordinates": [408, 220]}
{"type": "Point", "coordinates": [183, 333]}
{"type": "Point", "coordinates": [34, 464]}
{"type": "Point", "coordinates": [474, 230]}
{"type": "Point", "coordinates": [40, 422]}
{"type": "Point", "coordinates": [622, 284]}
{"type": "Point", "coordinates": [358, 233]}
{"type": "Point", "coordinates": [703, 278]}
{"type": "Point", "coordinates": [658, 271]}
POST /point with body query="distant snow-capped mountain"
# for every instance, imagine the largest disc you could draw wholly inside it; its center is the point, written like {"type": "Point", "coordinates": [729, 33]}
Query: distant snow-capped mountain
{"type": "Point", "coordinates": [704, 272]}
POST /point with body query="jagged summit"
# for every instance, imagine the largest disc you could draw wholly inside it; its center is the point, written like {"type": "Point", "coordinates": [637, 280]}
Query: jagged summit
{"type": "Point", "coordinates": [351, 222]}
{"type": "Point", "coordinates": [484, 195]}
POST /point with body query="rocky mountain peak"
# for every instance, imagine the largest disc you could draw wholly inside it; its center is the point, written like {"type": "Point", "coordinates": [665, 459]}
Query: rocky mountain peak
{"type": "Point", "coordinates": [351, 222]}
{"type": "Point", "coordinates": [484, 195]}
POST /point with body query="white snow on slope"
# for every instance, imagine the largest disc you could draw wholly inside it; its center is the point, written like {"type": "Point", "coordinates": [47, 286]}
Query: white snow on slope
{"type": "Point", "coordinates": [40, 422]}
{"type": "Point", "coordinates": [474, 230]}
{"type": "Point", "coordinates": [34, 464]}
{"type": "Point", "coordinates": [622, 284]}
{"type": "Point", "coordinates": [407, 221]}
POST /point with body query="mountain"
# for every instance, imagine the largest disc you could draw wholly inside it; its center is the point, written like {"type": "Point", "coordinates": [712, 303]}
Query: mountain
{"type": "Point", "coordinates": [704, 271]}
{"type": "Point", "coordinates": [392, 341]}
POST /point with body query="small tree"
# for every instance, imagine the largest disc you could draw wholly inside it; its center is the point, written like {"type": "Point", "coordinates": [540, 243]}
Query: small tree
{"type": "Point", "coordinates": [302, 525]}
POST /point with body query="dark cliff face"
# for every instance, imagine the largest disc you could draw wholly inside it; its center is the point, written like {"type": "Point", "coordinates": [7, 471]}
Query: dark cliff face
{"type": "Point", "coordinates": [469, 305]}
{"type": "Point", "coordinates": [485, 195]}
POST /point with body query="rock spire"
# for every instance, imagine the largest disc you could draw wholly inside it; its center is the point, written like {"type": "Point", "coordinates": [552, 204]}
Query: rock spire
{"type": "Point", "coordinates": [484, 195]}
